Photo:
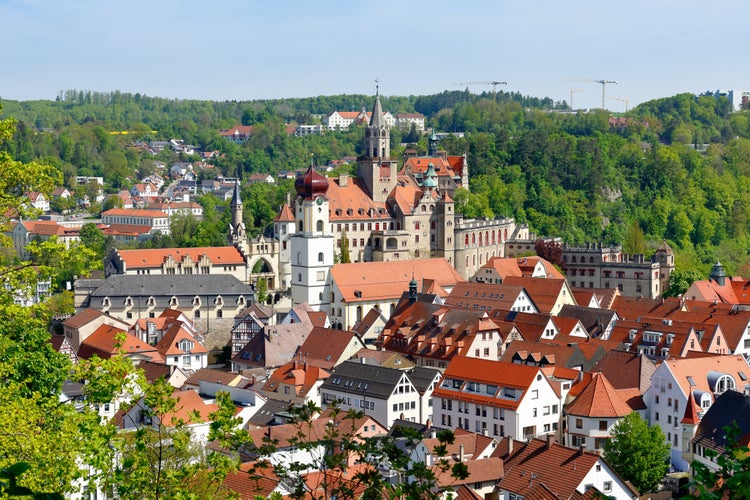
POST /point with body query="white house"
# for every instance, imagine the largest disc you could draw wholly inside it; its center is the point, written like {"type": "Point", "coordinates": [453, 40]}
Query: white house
{"type": "Point", "coordinates": [385, 394]}
{"type": "Point", "coordinates": [677, 383]}
{"type": "Point", "coordinates": [497, 398]}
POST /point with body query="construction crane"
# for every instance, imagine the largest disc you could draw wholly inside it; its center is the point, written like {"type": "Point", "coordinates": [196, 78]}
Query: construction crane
{"type": "Point", "coordinates": [603, 83]}
{"type": "Point", "coordinates": [573, 91]}
{"type": "Point", "coordinates": [493, 83]}
{"type": "Point", "coordinates": [626, 101]}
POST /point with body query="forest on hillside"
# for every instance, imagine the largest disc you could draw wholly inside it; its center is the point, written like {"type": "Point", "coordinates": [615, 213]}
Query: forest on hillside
{"type": "Point", "coordinates": [674, 169]}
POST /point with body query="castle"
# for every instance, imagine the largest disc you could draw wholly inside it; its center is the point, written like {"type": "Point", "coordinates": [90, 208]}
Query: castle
{"type": "Point", "coordinates": [382, 214]}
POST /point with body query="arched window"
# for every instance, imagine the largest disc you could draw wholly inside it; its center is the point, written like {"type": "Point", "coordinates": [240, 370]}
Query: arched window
{"type": "Point", "coordinates": [301, 226]}
{"type": "Point", "coordinates": [359, 313]}
{"type": "Point", "coordinates": [473, 239]}
{"type": "Point", "coordinates": [466, 240]}
{"type": "Point", "coordinates": [319, 226]}
{"type": "Point", "coordinates": [320, 256]}
{"type": "Point", "coordinates": [480, 239]}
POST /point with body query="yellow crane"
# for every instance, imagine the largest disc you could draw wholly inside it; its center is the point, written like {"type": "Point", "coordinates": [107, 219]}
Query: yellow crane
{"type": "Point", "coordinates": [492, 82]}
{"type": "Point", "coordinates": [603, 83]}
{"type": "Point", "coordinates": [621, 99]}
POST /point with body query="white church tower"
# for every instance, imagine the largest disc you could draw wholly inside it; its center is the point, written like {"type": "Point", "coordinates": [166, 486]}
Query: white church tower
{"type": "Point", "coordinates": [312, 242]}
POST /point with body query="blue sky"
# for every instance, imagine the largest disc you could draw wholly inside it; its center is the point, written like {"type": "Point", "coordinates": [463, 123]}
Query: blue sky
{"type": "Point", "coordinates": [251, 49]}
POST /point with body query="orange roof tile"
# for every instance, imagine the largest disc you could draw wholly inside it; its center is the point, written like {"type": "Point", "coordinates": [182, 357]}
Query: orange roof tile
{"type": "Point", "coordinates": [371, 281]}
{"type": "Point", "coordinates": [599, 399]}
{"type": "Point", "coordinates": [155, 257]}
{"type": "Point", "coordinates": [103, 343]}
{"type": "Point", "coordinates": [134, 212]}
{"type": "Point", "coordinates": [285, 214]}
{"type": "Point", "coordinates": [190, 408]}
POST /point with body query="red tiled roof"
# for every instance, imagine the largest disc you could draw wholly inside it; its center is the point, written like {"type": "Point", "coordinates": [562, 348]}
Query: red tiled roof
{"type": "Point", "coordinates": [560, 469]}
{"type": "Point", "coordinates": [543, 291]}
{"type": "Point", "coordinates": [82, 318]}
{"type": "Point", "coordinates": [168, 345]}
{"type": "Point", "coordinates": [285, 214]}
{"type": "Point", "coordinates": [324, 346]}
{"type": "Point", "coordinates": [190, 408]}
{"type": "Point", "coordinates": [134, 212]}
{"type": "Point", "coordinates": [103, 343]}
{"type": "Point", "coordinates": [389, 280]}
{"type": "Point", "coordinates": [599, 399]}
{"type": "Point", "coordinates": [155, 257]}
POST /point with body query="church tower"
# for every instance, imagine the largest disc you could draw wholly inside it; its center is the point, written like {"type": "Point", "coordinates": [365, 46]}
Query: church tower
{"type": "Point", "coordinates": [375, 167]}
{"type": "Point", "coordinates": [311, 243]}
{"type": "Point", "coordinates": [237, 232]}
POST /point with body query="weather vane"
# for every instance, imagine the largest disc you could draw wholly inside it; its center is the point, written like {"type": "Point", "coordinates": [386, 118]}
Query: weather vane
{"type": "Point", "coordinates": [377, 86]}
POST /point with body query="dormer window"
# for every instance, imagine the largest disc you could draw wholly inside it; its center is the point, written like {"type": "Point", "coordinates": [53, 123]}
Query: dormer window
{"type": "Point", "coordinates": [197, 301]}
{"type": "Point", "coordinates": [185, 345]}
{"type": "Point", "coordinates": [173, 301]}
{"type": "Point", "coordinates": [151, 302]}
{"type": "Point", "coordinates": [129, 302]}
{"type": "Point", "coordinates": [219, 301]}
{"type": "Point", "coordinates": [105, 302]}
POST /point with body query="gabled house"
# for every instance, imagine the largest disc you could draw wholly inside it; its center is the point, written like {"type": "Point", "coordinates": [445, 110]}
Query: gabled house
{"type": "Point", "coordinates": [432, 334]}
{"type": "Point", "coordinates": [595, 411]}
{"type": "Point", "coordinates": [82, 324]}
{"type": "Point", "coordinates": [385, 394]}
{"type": "Point", "coordinates": [103, 342]}
{"type": "Point", "coordinates": [274, 346]}
{"type": "Point", "coordinates": [489, 297]}
{"type": "Point", "coordinates": [552, 354]}
{"type": "Point", "coordinates": [247, 324]}
{"type": "Point", "coordinates": [38, 200]}
{"type": "Point", "coordinates": [549, 295]}
{"type": "Point", "coordinates": [598, 322]}
{"type": "Point", "coordinates": [498, 269]}
{"type": "Point", "coordinates": [731, 408]}
{"type": "Point", "coordinates": [182, 349]}
{"type": "Point", "coordinates": [296, 383]}
{"type": "Point", "coordinates": [497, 398]}
{"type": "Point", "coordinates": [328, 348]}
{"type": "Point", "coordinates": [189, 408]}
{"type": "Point", "coordinates": [541, 468]}
{"type": "Point", "coordinates": [657, 339]}
{"type": "Point", "coordinates": [679, 383]}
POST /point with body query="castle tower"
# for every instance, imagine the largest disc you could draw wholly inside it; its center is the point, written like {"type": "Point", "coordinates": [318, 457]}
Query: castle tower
{"type": "Point", "coordinates": [432, 145]}
{"type": "Point", "coordinates": [664, 255]}
{"type": "Point", "coordinates": [376, 168]}
{"type": "Point", "coordinates": [312, 242]}
{"type": "Point", "coordinates": [284, 226]}
{"type": "Point", "coordinates": [446, 229]}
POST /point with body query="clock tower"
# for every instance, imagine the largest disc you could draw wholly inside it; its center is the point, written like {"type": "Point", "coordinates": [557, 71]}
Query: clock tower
{"type": "Point", "coordinates": [312, 242]}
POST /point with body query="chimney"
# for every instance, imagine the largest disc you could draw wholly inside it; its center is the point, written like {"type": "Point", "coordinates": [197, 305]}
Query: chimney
{"type": "Point", "coordinates": [550, 440]}
{"type": "Point", "coordinates": [343, 180]}
{"type": "Point", "coordinates": [510, 444]}
{"type": "Point", "coordinates": [582, 449]}
{"type": "Point", "coordinates": [460, 453]}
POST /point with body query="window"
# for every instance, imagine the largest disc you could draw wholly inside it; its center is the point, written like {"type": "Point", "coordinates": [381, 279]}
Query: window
{"type": "Point", "coordinates": [602, 425]}
{"type": "Point", "coordinates": [579, 423]}
{"type": "Point", "coordinates": [607, 486]}
{"type": "Point", "coordinates": [535, 394]}
{"type": "Point", "coordinates": [320, 256]}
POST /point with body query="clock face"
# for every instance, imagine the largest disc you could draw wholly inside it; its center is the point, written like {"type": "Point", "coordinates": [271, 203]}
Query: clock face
{"type": "Point", "coordinates": [319, 200]}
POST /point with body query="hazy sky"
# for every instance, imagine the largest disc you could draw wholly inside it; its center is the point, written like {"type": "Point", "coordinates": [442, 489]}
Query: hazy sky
{"type": "Point", "coordinates": [250, 49]}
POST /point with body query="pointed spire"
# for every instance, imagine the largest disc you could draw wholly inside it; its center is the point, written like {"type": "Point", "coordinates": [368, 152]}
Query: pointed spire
{"type": "Point", "coordinates": [376, 120]}
{"type": "Point", "coordinates": [236, 198]}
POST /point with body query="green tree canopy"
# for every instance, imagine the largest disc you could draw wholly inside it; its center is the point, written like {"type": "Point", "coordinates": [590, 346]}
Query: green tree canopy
{"type": "Point", "coordinates": [639, 453]}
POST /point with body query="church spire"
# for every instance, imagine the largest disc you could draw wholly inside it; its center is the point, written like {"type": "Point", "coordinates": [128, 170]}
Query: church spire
{"type": "Point", "coordinates": [378, 133]}
{"type": "Point", "coordinates": [237, 226]}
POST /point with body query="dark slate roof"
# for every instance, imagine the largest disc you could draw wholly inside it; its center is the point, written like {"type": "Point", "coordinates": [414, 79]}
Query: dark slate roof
{"type": "Point", "coordinates": [266, 414]}
{"type": "Point", "coordinates": [397, 429]}
{"type": "Point", "coordinates": [172, 284]}
{"type": "Point", "coordinates": [422, 377]}
{"type": "Point", "coordinates": [360, 378]}
{"type": "Point", "coordinates": [592, 319]}
{"type": "Point", "coordinates": [732, 406]}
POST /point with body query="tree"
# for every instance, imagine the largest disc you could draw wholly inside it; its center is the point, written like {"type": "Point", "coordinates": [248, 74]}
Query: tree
{"type": "Point", "coordinates": [549, 250]}
{"type": "Point", "coordinates": [341, 445]}
{"type": "Point", "coordinates": [680, 280]}
{"type": "Point", "coordinates": [732, 480]}
{"type": "Point", "coordinates": [345, 258]}
{"type": "Point", "coordinates": [639, 453]}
